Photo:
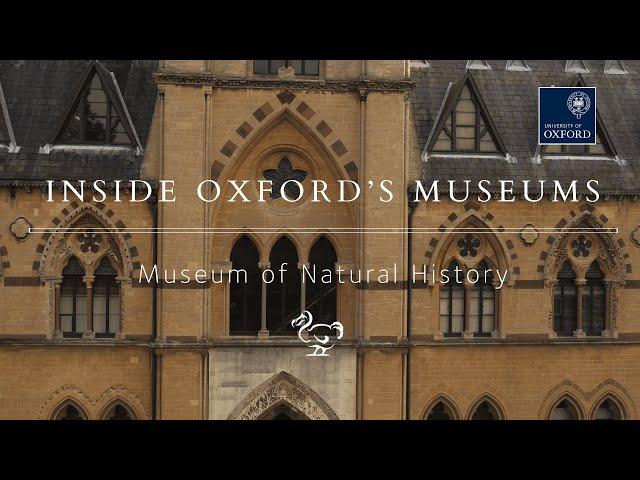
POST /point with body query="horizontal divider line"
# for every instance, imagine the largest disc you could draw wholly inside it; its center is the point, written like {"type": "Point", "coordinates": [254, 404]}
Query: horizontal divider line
{"type": "Point", "coordinates": [319, 229]}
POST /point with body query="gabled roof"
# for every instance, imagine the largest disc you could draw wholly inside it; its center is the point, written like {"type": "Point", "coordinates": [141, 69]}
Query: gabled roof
{"type": "Point", "coordinates": [511, 99]}
{"type": "Point", "coordinates": [111, 89]}
{"type": "Point", "coordinates": [579, 81]}
{"type": "Point", "coordinates": [449, 103]}
{"type": "Point", "coordinates": [37, 94]}
{"type": "Point", "coordinates": [6, 132]}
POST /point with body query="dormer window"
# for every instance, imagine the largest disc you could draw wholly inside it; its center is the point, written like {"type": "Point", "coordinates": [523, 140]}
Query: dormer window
{"type": "Point", "coordinates": [601, 148]}
{"type": "Point", "coordinates": [300, 67]}
{"type": "Point", "coordinates": [94, 119]}
{"type": "Point", "coordinates": [466, 128]}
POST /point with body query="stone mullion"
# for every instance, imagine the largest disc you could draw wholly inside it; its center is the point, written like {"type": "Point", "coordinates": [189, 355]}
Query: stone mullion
{"type": "Point", "coordinates": [580, 284]}
{"type": "Point", "coordinates": [264, 332]}
{"type": "Point", "coordinates": [88, 280]}
{"type": "Point", "coordinates": [57, 329]}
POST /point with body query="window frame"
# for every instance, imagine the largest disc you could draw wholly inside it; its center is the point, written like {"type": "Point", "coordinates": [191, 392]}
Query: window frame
{"type": "Point", "coordinates": [81, 104]}
{"type": "Point", "coordinates": [287, 63]}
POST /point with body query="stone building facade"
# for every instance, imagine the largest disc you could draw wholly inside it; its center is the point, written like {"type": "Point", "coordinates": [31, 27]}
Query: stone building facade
{"type": "Point", "coordinates": [82, 337]}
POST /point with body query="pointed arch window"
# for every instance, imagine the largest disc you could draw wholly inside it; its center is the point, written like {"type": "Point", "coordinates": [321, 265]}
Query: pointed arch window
{"type": "Point", "coordinates": [608, 410]}
{"type": "Point", "coordinates": [73, 300]}
{"type": "Point", "coordinates": [565, 301]}
{"type": "Point", "coordinates": [564, 410]}
{"type": "Point", "coordinates": [485, 411]}
{"type": "Point", "coordinates": [440, 411]}
{"type": "Point", "coordinates": [119, 412]}
{"type": "Point", "coordinates": [283, 294]}
{"type": "Point", "coordinates": [483, 302]}
{"type": "Point", "coordinates": [466, 128]}
{"type": "Point", "coordinates": [106, 300]}
{"type": "Point", "coordinates": [94, 119]}
{"type": "Point", "coordinates": [69, 412]}
{"type": "Point", "coordinates": [245, 297]}
{"type": "Point", "coordinates": [321, 299]}
{"type": "Point", "coordinates": [452, 302]}
{"type": "Point", "coordinates": [594, 301]}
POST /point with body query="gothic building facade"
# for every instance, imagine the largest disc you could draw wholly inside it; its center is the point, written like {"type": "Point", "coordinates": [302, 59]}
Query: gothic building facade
{"type": "Point", "coordinates": [82, 336]}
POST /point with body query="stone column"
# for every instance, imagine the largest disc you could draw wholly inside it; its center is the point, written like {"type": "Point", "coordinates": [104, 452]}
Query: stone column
{"type": "Point", "coordinates": [89, 333]}
{"type": "Point", "coordinates": [263, 333]}
{"type": "Point", "coordinates": [608, 289]}
{"type": "Point", "coordinates": [497, 310]}
{"type": "Point", "coordinates": [303, 290]}
{"type": "Point", "coordinates": [580, 284]}
{"type": "Point", "coordinates": [57, 329]}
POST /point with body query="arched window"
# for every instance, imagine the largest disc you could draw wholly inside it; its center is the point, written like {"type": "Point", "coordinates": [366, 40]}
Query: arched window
{"type": "Point", "coordinates": [321, 299]}
{"type": "Point", "coordinates": [245, 296]}
{"type": "Point", "coordinates": [283, 297]}
{"type": "Point", "coordinates": [565, 301]}
{"type": "Point", "coordinates": [452, 302]}
{"type": "Point", "coordinates": [441, 411]}
{"type": "Point", "coordinates": [118, 412]}
{"type": "Point", "coordinates": [593, 301]}
{"type": "Point", "coordinates": [607, 410]}
{"type": "Point", "coordinates": [483, 302]}
{"type": "Point", "coordinates": [485, 411]}
{"type": "Point", "coordinates": [73, 300]}
{"type": "Point", "coordinates": [466, 129]}
{"type": "Point", "coordinates": [564, 410]}
{"type": "Point", "coordinates": [106, 300]}
{"type": "Point", "coordinates": [94, 119]}
{"type": "Point", "coordinates": [69, 412]}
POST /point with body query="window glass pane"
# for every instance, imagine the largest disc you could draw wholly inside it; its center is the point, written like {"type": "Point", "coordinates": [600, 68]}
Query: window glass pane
{"type": "Point", "coordinates": [66, 301]}
{"type": "Point", "coordinates": [99, 310]}
{"type": "Point", "coordinates": [464, 118]}
{"type": "Point", "coordinates": [72, 131]}
{"type": "Point", "coordinates": [465, 132]}
{"type": "Point", "coordinates": [465, 144]}
{"type": "Point", "coordinates": [261, 66]}
{"type": "Point", "coordinates": [95, 81]}
{"type": "Point", "coordinates": [457, 310]}
{"type": "Point", "coordinates": [275, 66]}
{"type": "Point", "coordinates": [465, 94]}
{"type": "Point", "coordinates": [553, 149]}
{"type": "Point", "coordinates": [114, 311]}
{"type": "Point", "coordinates": [297, 66]}
{"type": "Point", "coordinates": [96, 96]}
{"type": "Point", "coordinates": [443, 143]}
{"type": "Point", "coordinates": [475, 309]}
{"type": "Point", "coordinates": [95, 129]}
{"type": "Point", "coordinates": [465, 106]}
{"type": "Point", "coordinates": [311, 67]}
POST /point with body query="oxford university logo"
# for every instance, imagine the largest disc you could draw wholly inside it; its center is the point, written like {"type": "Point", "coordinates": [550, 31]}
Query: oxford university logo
{"type": "Point", "coordinates": [578, 103]}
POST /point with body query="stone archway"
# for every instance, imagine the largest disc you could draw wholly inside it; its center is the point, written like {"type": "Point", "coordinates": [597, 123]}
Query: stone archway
{"type": "Point", "coordinates": [283, 394]}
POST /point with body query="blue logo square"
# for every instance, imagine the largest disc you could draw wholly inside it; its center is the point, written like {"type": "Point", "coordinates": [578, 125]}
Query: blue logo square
{"type": "Point", "coordinates": [566, 115]}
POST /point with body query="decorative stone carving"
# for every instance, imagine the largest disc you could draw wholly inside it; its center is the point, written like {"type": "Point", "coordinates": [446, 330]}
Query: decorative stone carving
{"type": "Point", "coordinates": [20, 228]}
{"type": "Point", "coordinates": [581, 246]}
{"type": "Point", "coordinates": [282, 174]}
{"type": "Point", "coordinates": [468, 245]}
{"type": "Point", "coordinates": [529, 234]}
{"type": "Point", "coordinates": [283, 388]}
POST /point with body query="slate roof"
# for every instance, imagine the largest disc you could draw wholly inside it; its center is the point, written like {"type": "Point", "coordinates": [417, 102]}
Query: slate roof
{"type": "Point", "coordinates": [511, 100]}
{"type": "Point", "coordinates": [37, 93]}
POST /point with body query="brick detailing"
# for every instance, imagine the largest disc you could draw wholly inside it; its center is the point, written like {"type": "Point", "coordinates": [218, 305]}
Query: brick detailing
{"type": "Point", "coordinates": [63, 220]}
{"type": "Point", "coordinates": [453, 217]}
{"type": "Point", "coordinates": [587, 216]}
{"type": "Point", "coordinates": [286, 101]}
{"type": "Point", "coordinates": [4, 257]}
